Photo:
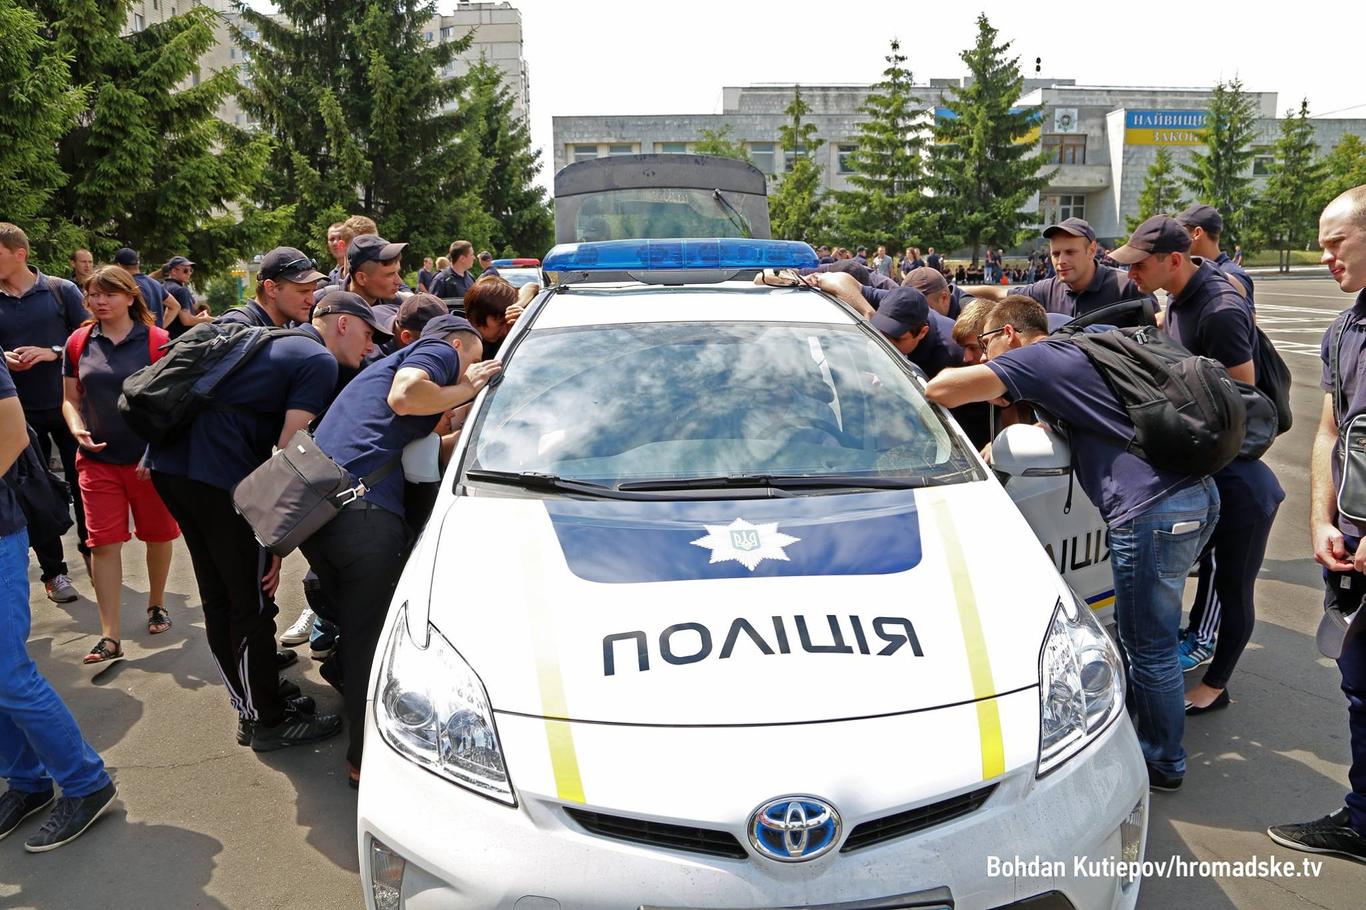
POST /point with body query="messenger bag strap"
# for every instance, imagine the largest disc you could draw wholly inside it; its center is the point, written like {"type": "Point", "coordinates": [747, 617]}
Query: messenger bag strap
{"type": "Point", "coordinates": [371, 480]}
{"type": "Point", "coordinates": [1334, 368]}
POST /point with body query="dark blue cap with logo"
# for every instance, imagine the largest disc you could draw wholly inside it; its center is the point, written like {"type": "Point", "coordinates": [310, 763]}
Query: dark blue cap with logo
{"type": "Point", "coordinates": [285, 263]}
{"type": "Point", "coordinates": [1077, 227]}
{"type": "Point", "coordinates": [901, 311]}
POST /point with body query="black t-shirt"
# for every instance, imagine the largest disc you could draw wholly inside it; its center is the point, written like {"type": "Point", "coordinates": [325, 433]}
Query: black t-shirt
{"type": "Point", "coordinates": [183, 297]}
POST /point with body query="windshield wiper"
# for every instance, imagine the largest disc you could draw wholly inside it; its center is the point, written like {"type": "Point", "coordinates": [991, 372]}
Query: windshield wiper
{"type": "Point", "coordinates": [550, 483]}
{"type": "Point", "coordinates": [792, 482]}
{"type": "Point", "coordinates": [739, 221]}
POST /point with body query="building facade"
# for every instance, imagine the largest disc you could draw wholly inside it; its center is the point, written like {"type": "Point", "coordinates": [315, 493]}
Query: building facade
{"type": "Point", "coordinates": [1100, 140]}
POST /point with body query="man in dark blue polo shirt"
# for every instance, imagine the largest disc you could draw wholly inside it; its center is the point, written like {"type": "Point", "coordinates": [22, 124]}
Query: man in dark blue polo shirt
{"type": "Point", "coordinates": [359, 554]}
{"type": "Point", "coordinates": [486, 266]}
{"type": "Point", "coordinates": [1079, 285]}
{"type": "Point", "coordinates": [1205, 226]}
{"type": "Point", "coordinates": [1206, 316]}
{"type": "Point", "coordinates": [160, 304]}
{"type": "Point", "coordinates": [455, 279]}
{"type": "Point", "coordinates": [178, 272]}
{"type": "Point", "coordinates": [39, 740]}
{"type": "Point", "coordinates": [1158, 520]}
{"type": "Point", "coordinates": [904, 316]}
{"type": "Point", "coordinates": [274, 394]}
{"type": "Point", "coordinates": [37, 314]}
{"type": "Point", "coordinates": [284, 291]}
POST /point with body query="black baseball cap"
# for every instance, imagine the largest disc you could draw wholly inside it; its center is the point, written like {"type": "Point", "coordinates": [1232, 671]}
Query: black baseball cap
{"type": "Point", "coordinates": [285, 263]}
{"type": "Point", "coordinates": [901, 311]}
{"type": "Point", "coordinates": [1205, 217]}
{"type": "Point", "coordinates": [445, 326]}
{"type": "Point", "coordinates": [126, 255]}
{"type": "Point", "coordinates": [176, 262]}
{"type": "Point", "coordinates": [1159, 234]}
{"type": "Point", "coordinates": [369, 247]}
{"type": "Point", "coordinates": [417, 311]}
{"type": "Point", "coordinates": [1077, 227]}
{"type": "Point", "coordinates": [485, 256]}
{"type": "Point", "coordinates": [345, 303]}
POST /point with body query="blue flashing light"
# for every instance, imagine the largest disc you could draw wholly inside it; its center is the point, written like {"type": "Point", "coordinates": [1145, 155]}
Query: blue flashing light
{"type": "Point", "coordinates": [679, 255]}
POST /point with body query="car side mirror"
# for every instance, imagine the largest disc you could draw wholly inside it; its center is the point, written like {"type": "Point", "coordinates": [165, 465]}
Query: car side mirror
{"type": "Point", "coordinates": [1026, 450]}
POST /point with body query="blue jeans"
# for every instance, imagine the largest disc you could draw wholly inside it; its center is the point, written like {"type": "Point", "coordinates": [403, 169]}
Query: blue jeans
{"type": "Point", "coordinates": [1150, 565]}
{"type": "Point", "coordinates": [39, 739]}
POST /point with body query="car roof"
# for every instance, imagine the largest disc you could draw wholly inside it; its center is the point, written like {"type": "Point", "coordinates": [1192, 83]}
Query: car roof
{"type": "Point", "coordinates": [729, 301]}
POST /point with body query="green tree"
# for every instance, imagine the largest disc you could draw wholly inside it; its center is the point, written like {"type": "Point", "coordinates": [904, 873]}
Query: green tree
{"type": "Point", "coordinates": [888, 200]}
{"type": "Point", "coordinates": [720, 144]}
{"type": "Point", "coordinates": [797, 207]}
{"type": "Point", "coordinates": [146, 160]}
{"type": "Point", "coordinates": [983, 168]}
{"type": "Point", "coordinates": [1343, 168]}
{"type": "Point", "coordinates": [522, 224]}
{"type": "Point", "coordinates": [364, 121]}
{"type": "Point", "coordinates": [1161, 189]}
{"type": "Point", "coordinates": [40, 104]}
{"type": "Point", "coordinates": [1221, 175]}
{"type": "Point", "coordinates": [1285, 215]}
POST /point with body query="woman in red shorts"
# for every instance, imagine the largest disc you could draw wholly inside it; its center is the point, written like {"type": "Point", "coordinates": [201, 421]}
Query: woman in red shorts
{"type": "Point", "coordinates": [119, 341]}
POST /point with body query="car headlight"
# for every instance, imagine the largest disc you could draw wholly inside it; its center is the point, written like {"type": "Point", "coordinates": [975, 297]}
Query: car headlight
{"type": "Point", "coordinates": [1081, 684]}
{"type": "Point", "coordinates": [432, 708]}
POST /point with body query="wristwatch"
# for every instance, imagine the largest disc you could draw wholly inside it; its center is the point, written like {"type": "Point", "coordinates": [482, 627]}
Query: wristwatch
{"type": "Point", "coordinates": [56, 349]}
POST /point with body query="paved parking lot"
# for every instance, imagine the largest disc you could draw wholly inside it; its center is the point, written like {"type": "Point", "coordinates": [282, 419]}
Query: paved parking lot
{"type": "Point", "coordinates": [203, 822]}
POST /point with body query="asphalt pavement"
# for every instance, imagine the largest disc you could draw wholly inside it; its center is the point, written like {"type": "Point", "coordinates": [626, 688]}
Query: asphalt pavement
{"type": "Point", "coordinates": [203, 822]}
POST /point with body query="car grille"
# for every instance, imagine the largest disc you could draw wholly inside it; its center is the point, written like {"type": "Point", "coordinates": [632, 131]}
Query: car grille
{"type": "Point", "coordinates": [658, 834]}
{"type": "Point", "coordinates": [883, 829]}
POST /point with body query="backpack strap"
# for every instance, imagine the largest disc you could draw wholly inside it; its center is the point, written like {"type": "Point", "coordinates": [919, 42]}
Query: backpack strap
{"type": "Point", "coordinates": [157, 338]}
{"type": "Point", "coordinates": [79, 339]}
{"type": "Point", "coordinates": [1336, 332]}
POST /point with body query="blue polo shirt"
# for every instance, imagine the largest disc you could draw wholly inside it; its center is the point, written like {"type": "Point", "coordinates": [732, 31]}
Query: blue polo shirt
{"type": "Point", "coordinates": [447, 284]}
{"type": "Point", "coordinates": [11, 514]}
{"type": "Point", "coordinates": [183, 297]}
{"type": "Point", "coordinates": [937, 350]}
{"type": "Point", "coordinates": [40, 319]}
{"type": "Point", "coordinates": [154, 295]}
{"type": "Point", "coordinates": [1107, 286]}
{"type": "Point", "coordinates": [1055, 375]}
{"type": "Point", "coordinates": [1352, 351]}
{"type": "Point", "coordinates": [225, 444]}
{"type": "Point", "coordinates": [102, 368]}
{"type": "Point", "coordinates": [1226, 265]}
{"type": "Point", "coordinates": [249, 313]}
{"type": "Point", "coordinates": [361, 432]}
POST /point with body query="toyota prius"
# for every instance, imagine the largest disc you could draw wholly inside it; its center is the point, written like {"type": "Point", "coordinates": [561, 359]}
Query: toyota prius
{"type": "Point", "coordinates": [716, 611]}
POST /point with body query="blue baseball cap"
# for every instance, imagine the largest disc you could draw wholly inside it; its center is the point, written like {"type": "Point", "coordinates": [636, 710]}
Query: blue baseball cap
{"type": "Point", "coordinates": [901, 311]}
{"type": "Point", "coordinates": [445, 326]}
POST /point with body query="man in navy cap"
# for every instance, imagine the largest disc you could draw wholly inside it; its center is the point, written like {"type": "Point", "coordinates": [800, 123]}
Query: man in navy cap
{"type": "Point", "coordinates": [1079, 285]}
{"type": "Point", "coordinates": [176, 274]}
{"type": "Point", "coordinates": [1205, 226]}
{"type": "Point", "coordinates": [284, 291]}
{"type": "Point", "coordinates": [936, 289]}
{"type": "Point", "coordinates": [903, 315]}
{"type": "Point", "coordinates": [162, 305]}
{"type": "Point", "coordinates": [373, 268]}
{"type": "Point", "coordinates": [348, 328]}
{"type": "Point", "coordinates": [359, 554]}
{"type": "Point", "coordinates": [1208, 317]}
{"type": "Point", "coordinates": [1158, 520]}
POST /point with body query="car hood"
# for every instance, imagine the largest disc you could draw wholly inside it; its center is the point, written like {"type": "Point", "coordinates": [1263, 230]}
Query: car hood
{"type": "Point", "coordinates": [772, 611]}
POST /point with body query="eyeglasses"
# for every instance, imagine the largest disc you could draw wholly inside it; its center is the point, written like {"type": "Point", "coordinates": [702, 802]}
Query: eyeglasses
{"type": "Point", "coordinates": [293, 266]}
{"type": "Point", "coordinates": [983, 336]}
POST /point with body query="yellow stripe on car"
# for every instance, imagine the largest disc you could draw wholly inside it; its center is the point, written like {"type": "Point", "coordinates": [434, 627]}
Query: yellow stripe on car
{"type": "Point", "coordinates": [559, 734]}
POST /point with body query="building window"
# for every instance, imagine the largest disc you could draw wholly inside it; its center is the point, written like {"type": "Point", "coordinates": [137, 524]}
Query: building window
{"type": "Point", "coordinates": [246, 55]}
{"type": "Point", "coordinates": [1064, 148]}
{"type": "Point", "coordinates": [845, 159]}
{"type": "Point", "coordinates": [583, 152]}
{"type": "Point", "coordinates": [251, 34]}
{"type": "Point", "coordinates": [139, 23]}
{"type": "Point", "coordinates": [1262, 162]}
{"type": "Point", "coordinates": [156, 4]}
{"type": "Point", "coordinates": [232, 53]}
{"type": "Point", "coordinates": [761, 153]}
{"type": "Point", "coordinates": [621, 149]}
{"type": "Point", "coordinates": [446, 32]}
{"type": "Point", "coordinates": [672, 148]}
{"type": "Point", "coordinates": [1056, 208]}
{"type": "Point", "coordinates": [429, 37]}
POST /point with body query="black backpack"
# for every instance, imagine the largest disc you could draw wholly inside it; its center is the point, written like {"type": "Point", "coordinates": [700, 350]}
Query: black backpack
{"type": "Point", "coordinates": [161, 401]}
{"type": "Point", "coordinates": [44, 499]}
{"type": "Point", "coordinates": [1188, 414]}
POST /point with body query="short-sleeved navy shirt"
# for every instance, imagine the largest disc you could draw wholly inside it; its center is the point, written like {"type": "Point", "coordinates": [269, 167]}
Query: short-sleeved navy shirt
{"type": "Point", "coordinates": [103, 367]}
{"type": "Point", "coordinates": [1209, 318]}
{"type": "Point", "coordinates": [183, 297]}
{"type": "Point", "coordinates": [1226, 265]}
{"type": "Point", "coordinates": [447, 284]}
{"type": "Point", "coordinates": [37, 318]}
{"type": "Point", "coordinates": [1107, 286]}
{"type": "Point", "coordinates": [154, 295]}
{"type": "Point", "coordinates": [1352, 351]}
{"type": "Point", "coordinates": [937, 350]}
{"type": "Point", "coordinates": [424, 279]}
{"type": "Point", "coordinates": [11, 514]}
{"type": "Point", "coordinates": [361, 431]}
{"type": "Point", "coordinates": [225, 444]}
{"type": "Point", "coordinates": [249, 313]}
{"type": "Point", "coordinates": [1056, 375]}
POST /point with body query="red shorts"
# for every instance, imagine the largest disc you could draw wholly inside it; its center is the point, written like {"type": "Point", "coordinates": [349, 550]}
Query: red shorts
{"type": "Point", "coordinates": [108, 491]}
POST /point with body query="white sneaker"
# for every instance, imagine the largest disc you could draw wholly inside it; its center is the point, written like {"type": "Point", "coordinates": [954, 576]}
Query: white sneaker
{"type": "Point", "coordinates": [298, 633]}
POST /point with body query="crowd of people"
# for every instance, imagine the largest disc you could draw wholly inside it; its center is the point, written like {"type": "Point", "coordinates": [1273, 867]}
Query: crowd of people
{"type": "Point", "coordinates": [377, 371]}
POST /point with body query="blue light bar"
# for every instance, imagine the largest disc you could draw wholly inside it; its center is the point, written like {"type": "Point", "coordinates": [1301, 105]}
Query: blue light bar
{"type": "Point", "coordinates": [679, 255]}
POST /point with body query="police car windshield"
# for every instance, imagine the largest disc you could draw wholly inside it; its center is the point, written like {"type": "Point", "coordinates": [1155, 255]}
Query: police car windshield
{"type": "Point", "coordinates": [627, 404]}
{"type": "Point", "coordinates": [662, 212]}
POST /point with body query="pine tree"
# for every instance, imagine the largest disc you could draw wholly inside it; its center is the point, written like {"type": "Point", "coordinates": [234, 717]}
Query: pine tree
{"type": "Point", "coordinates": [888, 202]}
{"type": "Point", "coordinates": [146, 160]}
{"type": "Point", "coordinates": [720, 144]}
{"type": "Point", "coordinates": [1221, 175]}
{"type": "Point", "coordinates": [1285, 215]}
{"type": "Point", "coordinates": [39, 105]}
{"type": "Point", "coordinates": [797, 206]}
{"type": "Point", "coordinates": [1343, 168]}
{"type": "Point", "coordinates": [1161, 190]}
{"type": "Point", "coordinates": [984, 169]}
{"type": "Point", "coordinates": [522, 224]}
{"type": "Point", "coordinates": [361, 113]}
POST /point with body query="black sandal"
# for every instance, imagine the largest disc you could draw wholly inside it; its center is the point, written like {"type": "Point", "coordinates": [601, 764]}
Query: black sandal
{"type": "Point", "coordinates": [101, 652]}
{"type": "Point", "coordinates": [157, 616]}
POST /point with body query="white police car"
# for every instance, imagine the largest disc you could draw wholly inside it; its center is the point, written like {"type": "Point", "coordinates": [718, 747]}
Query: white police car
{"type": "Point", "coordinates": [716, 611]}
